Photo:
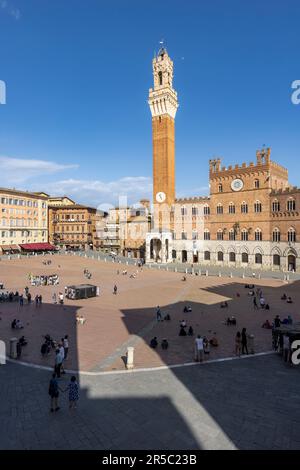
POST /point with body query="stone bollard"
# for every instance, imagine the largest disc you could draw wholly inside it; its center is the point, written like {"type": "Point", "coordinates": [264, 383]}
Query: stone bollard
{"type": "Point", "coordinates": [129, 358]}
{"type": "Point", "coordinates": [9, 257]}
{"type": "Point", "coordinates": [206, 273]}
{"type": "Point", "coordinates": [13, 348]}
{"type": "Point", "coordinates": [175, 270]}
{"type": "Point", "coordinates": [251, 344]}
{"type": "Point", "coordinates": [287, 278]}
{"type": "Point", "coordinates": [231, 275]}
{"type": "Point", "coordinates": [167, 268]}
{"type": "Point", "coordinates": [220, 275]}
{"type": "Point", "coordinates": [19, 256]}
{"type": "Point", "coordinates": [186, 271]}
{"type": "Point", "coordinates": [2, 353]}
{"type": "Point", "coordinates": [127, 263]}
{"type": "Point", "coordinates": [243, 275]}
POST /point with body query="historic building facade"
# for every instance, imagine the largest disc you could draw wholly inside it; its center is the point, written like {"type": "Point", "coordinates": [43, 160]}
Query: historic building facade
{"type": "Point", "coordinates": [251, 217]}
{"type": "Point", "coordinates": [23, 219]}
{"type": "Point", "coordinates": [72, 226]}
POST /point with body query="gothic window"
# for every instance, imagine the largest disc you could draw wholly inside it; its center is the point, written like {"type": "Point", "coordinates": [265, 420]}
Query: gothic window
{"type": "Point", "coordinates": [219, 209]}
{"type": "Point", "coordinates": [258, 235]}
{"type": "Point", "coordinates": [258, 258]}
{"type": "Point", "coordinates": [220, 188]}
{"type": "Point", "coordinates": [206, 255]}
{"type": "Point", "coordinates": [206, 210]}
{"type": "Point", "coordinates": [231, 208]}
{"type": "Point", "coordinates": [195, 235]}
{"type": "Point", "coordinates": [183, 211]}
{"type": "Point", "coordinates": [245, 257]}
{"type": "Point", "coordinates": [256, 184]}
{"type": "Point", "coordinates": [244, 235]}
{"type": "Point", "coordinates": [232, 234]}
{"type": "Point", "coordinates": [206, 234]}
{"type": "Point", "coordinates": [291, 235]}
{"type": "Point", "coordinates": [257, 207]}
{"type": "Point", "coordinates": [244, 208]}
{"type": "Point", "coordinates": [275, 206]}
{"type": "Point", "coordinates": [194, 211]}
{"type": "Point", "coordinates": [183, 236]}
{"type": "Point", "coordinates": [291, 205]}
{"type": "Point", "coordinates": [220, 234]}
{"type": "Point", "coordinates": [220, 256]}
{"type": "Point", "coordinates": [276, 260]}
{"type": "Point", "coordinates": [276, 235]}
{"type": "Point", "coordinates": [232, 257]}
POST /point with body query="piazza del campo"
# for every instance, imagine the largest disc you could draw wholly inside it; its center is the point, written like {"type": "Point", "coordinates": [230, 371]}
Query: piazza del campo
{"type": "Point", "coordinates": [155, 350]}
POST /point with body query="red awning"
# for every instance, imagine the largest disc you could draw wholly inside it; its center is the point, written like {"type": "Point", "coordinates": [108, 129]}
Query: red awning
{"type": "Point", "coordinates": [38, 247]}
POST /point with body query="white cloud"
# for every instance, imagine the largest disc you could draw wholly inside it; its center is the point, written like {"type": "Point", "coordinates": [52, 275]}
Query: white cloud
{"type": "Point", "coordinates": [95, 192]}
{"type": "Point", "coordinates": [17, 170]}
{"type": "Point", "coordinates": [10, 10]}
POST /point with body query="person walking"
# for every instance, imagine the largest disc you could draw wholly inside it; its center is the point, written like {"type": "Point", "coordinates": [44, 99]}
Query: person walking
{"type": "Point", "coordinates": [54, 393]}
{"type": "Point", "coordinates": [244, 341]}
{"type": "Point", "coordinates": [158, 313]}
{"type": "Point", "coordinates": [238, 344]}
{"type": "Point", "coordinates": [255, 303]}
{"type": "Point", "coordinates": [199, 349]}
{"type": "Point", "coordinates": [65, 341]}
{"type": "Point", "coordinates": [115, 289]}
{"type": "Point", "coordinates": [21, 300]}
{"type": "Point", "coordinates": [58, 363]}
{"type": "Point", "coordinates": [73, 388]}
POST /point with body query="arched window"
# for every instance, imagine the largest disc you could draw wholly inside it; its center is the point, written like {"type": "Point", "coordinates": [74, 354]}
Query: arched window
{"type": "Point", "coordinates": [206, 234]}
{"type": "Point", "coordinates": [291, 205]}
{"type": "Point", "coordinates": [276, 235]}
{"type": "Point", "coordinates": [160, 77]}
{"type": "Point", "coordinates": [258, 258]}
{"type": "Point", "coordinates": [206, 209]}
{"type": "Point", "coordinates": [275, 206]}
{"type": "Point", "coordinates": [244, 208]}
{"type": "Point", "coordinates": [258, 235]}
{"type": "Point", "coordinates": [194, 210]}
{"type": "Point", "coordinates": [231, 208]}
{"type": "Point", "coordinates": [256, 184]}
{"type": "Point", "coordinates": [245, 257]}
{"type": "Point", "coordinates": [183, 211]}
{"type": "Point", "coordinates": [220, 235]}
{"type": "Point", "coordinates": [257, 206]}
{"type": "Point", "coordinates": [206, 255]}
{"type": "Point", "coordinates": [220, 256]}
{"type": "Point", "coordinates": [232, 257]}
{"type": "Point", "coordinates": [244, 235]}
{"type": "Point", "coordinates": [219, 209]}
{"type": "Point", "coordinates": [276, 260]}
{"type": "Point", "coordinates": [194, 234]}
{"type": "Point", "coordinates": [183, 236]}
{"type": "Point", "coordinates": [291, 235]}
{"type": "Point", "coordinates": [174, 254]}
{"type": "Point", "coordinates": [232, 234]}
{"type": "Point", "coordinates": [220, 188]}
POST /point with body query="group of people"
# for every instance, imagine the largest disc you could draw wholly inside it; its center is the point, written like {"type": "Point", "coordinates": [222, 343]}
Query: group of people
{"type": "Point", "coordinates": [154, 343]}
{"type": "Point", "coordinates": [241, 342]}
{"type": "Point", "coordinates": [43, 280]}
{"type": "Point", "coordinates": [258, 299]}
{"type": "Point", "coordinates": [87, 273]}
{"type": "Point", "coordinates": [9, 296]}
{"type": "Point", "coordinates": [287, 298]}
{"type": "Point", "coordinates": [59, 298]}
{"type": "Point", "coordinates": [183, 329]}
{"type": "Point", "coordinates": [55, 389]}
{"type": "Point", "coordinates": [160, 316]}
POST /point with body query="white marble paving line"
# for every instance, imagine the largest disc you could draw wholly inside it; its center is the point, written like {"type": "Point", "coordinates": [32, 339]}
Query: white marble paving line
{"type": "Point", "coordinates": [145, 369]}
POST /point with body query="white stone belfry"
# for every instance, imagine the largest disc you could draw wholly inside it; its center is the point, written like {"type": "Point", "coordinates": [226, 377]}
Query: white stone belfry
{"type": "Point", "coordinates": [163, 97]}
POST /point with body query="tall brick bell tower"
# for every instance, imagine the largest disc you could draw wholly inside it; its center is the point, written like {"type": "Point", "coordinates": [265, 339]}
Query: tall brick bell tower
{"type": "Point", "coordinates": [163, 105]}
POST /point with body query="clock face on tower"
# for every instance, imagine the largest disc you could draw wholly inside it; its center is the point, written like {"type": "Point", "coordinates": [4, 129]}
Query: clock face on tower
{"type": "Point", "coordinates": [237, 185]}
{"type": "Point", "coordinates": [160, 196]}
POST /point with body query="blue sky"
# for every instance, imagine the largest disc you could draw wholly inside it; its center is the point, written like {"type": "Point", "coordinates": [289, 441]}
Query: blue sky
{"type": "Point", "coordinates": [78, 73]}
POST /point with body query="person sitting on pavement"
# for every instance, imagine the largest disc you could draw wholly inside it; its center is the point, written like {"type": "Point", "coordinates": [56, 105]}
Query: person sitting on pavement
{"type": "Point", "coordinates": [190, 331]}
{"type": "Point", "coordinates": [153, 342]}
{"type": "Point", "coordinates": [262, 302]}
{"type": "Point", "coordinates": [164, 344]}
{"type": "Point", "coordinates": [214, 341]}
{"type": "Point", "coordinates": [19, 324]}
{"type": "Point", "coordinates": [13, 323]}
{"type": "Point", "coordinates": [267, 325]}
{"type": "Point", "coordinates": [182, 331]}
{"type": "Point", "coordinates": [23, 341]}
{"type": "Point", "coordinates": [224, 305]}
{"type": "Point", "coordinates": [283, 297]}
{"type": "Point", "coordinates": [290, 320]}
{"type": "Point", "coordinates": [183, 324]}
{"type": "Point", "coordinates": [289, 300]}
{"type": "Point", "coordinates": [167, 317]}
